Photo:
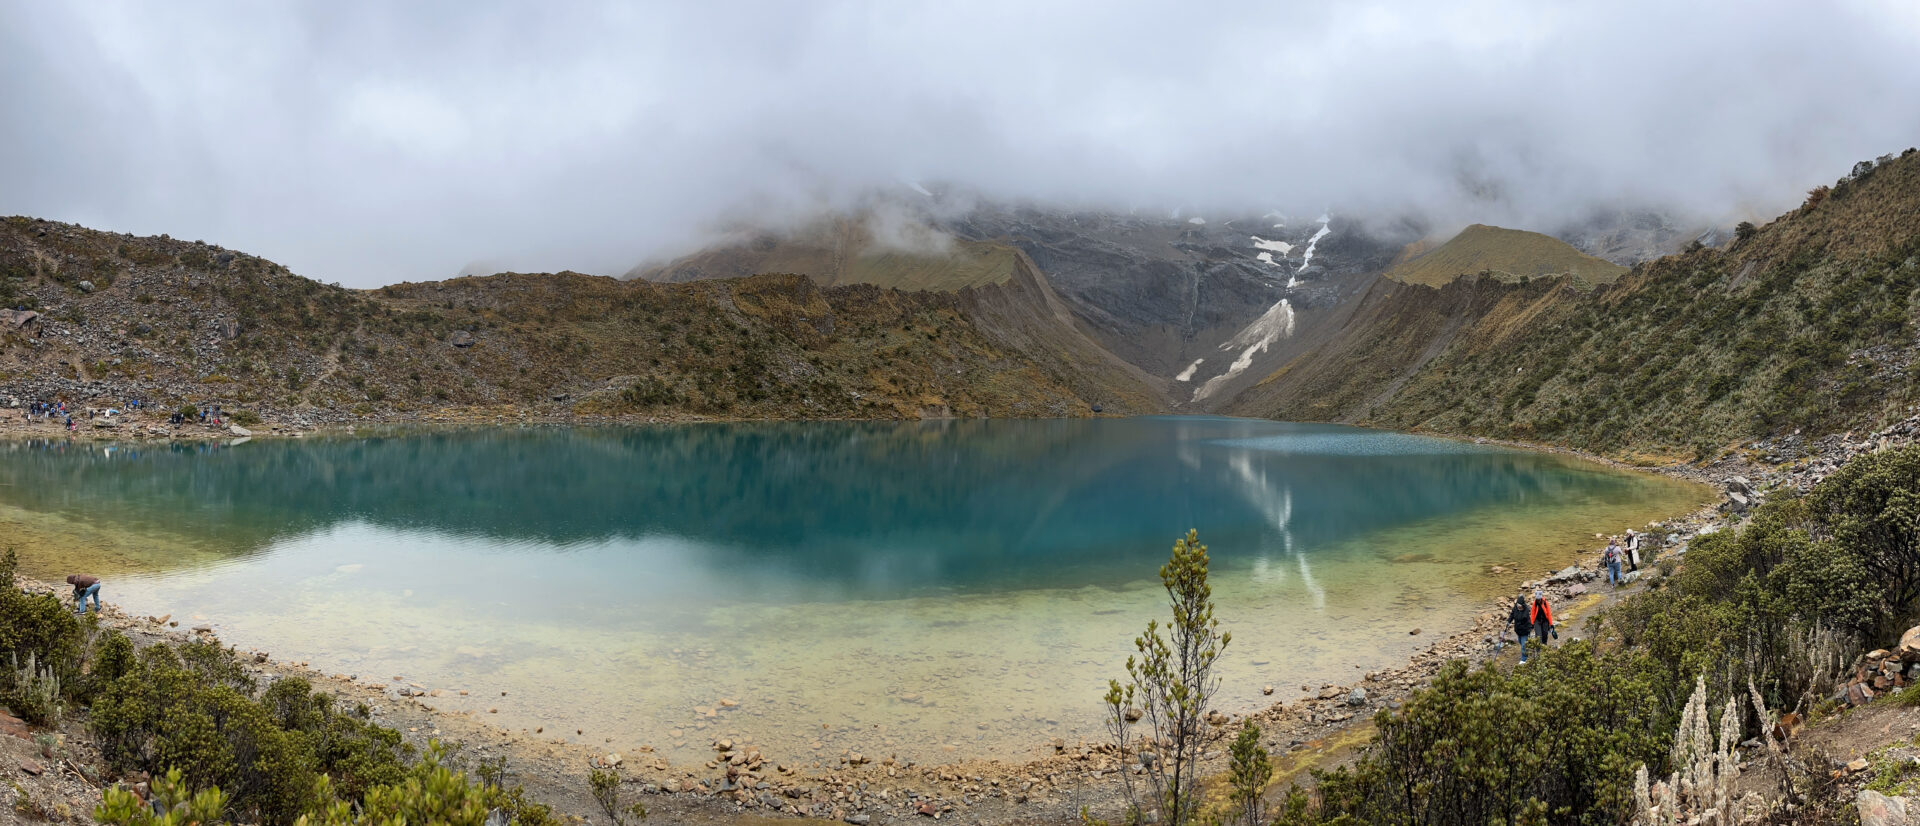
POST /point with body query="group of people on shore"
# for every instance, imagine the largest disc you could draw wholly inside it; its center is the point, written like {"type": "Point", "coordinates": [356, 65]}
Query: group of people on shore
{"type": "Point", "coordinates": [64, 413]}
{"type": "Point", "coordinates": [1532, 619]}
{"type": "Point", "coordinates": [1535, 618]}
{"type": "Point", "coordinates": [1621, 553]}
{"type": "Point", "coordinates": [52, 411]}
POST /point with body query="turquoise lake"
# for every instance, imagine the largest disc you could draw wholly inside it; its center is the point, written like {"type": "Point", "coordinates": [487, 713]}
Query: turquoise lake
{"type": "Point", "coordinates": [934, 590]}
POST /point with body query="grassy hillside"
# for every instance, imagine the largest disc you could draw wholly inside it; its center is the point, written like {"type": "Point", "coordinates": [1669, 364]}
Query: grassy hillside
{"type": "Point", "coordinates": [172, 322]}
{"type": "Point", "coordinates": [1806, 323]}
{"type": "Point", "coordinates": [846, 252]}
{"type": "Point", "coordinates": [1505, 254]}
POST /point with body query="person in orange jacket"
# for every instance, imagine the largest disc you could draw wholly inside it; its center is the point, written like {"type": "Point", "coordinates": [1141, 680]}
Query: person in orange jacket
{"type": "Point", "coordinates": [1542, 617]}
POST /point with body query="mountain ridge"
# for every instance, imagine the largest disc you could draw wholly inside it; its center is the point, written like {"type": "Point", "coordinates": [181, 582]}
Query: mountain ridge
{"type": "Point", "coordinates": [115, 318]}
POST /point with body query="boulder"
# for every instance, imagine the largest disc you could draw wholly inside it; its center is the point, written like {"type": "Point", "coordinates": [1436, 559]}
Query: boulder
{"type": "Point", "coordinates": [86, 286]}
{"type": "Point", "coordinates": [1859, 694]}
{"type": "Point", "coordinates": [1877, 809]}
{"type": "Point", "coordinates": [18, 319]}
{"type": "Point", "coordinates": [462, 338]}
{"type": "Point", "coordinates": [1910, 645]}
{"type": "Point", "coordinates": [230, 329]}
{"type": "Point", "coordinates": [1357, 697]}
{"type": "Point", "coordinates": [238, 430]}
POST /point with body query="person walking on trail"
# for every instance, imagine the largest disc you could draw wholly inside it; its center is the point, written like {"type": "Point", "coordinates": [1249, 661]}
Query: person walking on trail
{"type": "Point", "coordinates": [1633, 550]}
{"type": "Point", "coordinates": [1541, 616]}
{"type": "Point", "coordinates": [1611, 556]}
{"type": "Point", "coordinates": [84, 586]}
{"type": "Point", "coordinates": [1522, 625]}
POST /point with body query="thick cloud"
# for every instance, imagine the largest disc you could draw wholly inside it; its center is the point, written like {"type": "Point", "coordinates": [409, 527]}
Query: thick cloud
{"type": "Point", "coordinates": [373, 142]}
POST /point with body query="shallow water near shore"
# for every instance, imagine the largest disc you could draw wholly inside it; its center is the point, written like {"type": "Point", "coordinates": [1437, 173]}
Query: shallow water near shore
{"type": "Point", "coordinates": [935, 591]}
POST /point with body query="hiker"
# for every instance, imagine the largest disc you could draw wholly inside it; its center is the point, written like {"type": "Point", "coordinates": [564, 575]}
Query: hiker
{"type": "Point", "coordinates": [1611, 556]}
{"type": "Point", "coordinates": [1522, 625]}
{"type": "Point", "coordinates": [1633, 550]}
{"type": "Point", "coordinates": [1541, 615]}
{"type": "Point", "coordinates": [84, 586]}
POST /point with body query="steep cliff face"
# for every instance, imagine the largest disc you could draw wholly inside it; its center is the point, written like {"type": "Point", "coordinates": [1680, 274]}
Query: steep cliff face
{"type": "Point", "coordinates": [1186, 298]}
{"type": "Point", "coordinates": [1027, 316]}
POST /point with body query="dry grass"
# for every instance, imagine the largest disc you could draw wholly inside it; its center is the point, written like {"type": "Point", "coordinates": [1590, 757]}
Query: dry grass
{"type": "Point", "coordinates": [1506, 254]}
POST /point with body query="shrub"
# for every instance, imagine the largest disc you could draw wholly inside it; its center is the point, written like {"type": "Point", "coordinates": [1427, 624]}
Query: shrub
{"type": "Point", "coordinates": [605, 785]}
{"type": "Point", "coordinates": [1173, 683]}
{"type": "Point", "coordinates": [1248, 771]}
{"type": "Point", "coordinates": [428, 793]}
{"type": "Point", "coordinates": [1871, 507]}
{"type": "Point", "coordinates": [35, 627]}
{"type": "Point", "coordinates": [35, 692]}
{"type": "Point", "coordinates": [193, 709]}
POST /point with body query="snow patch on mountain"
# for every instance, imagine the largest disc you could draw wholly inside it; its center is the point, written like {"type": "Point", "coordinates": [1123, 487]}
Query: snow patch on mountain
{"type": "Point", "coordinates": [1275, 324]}
{"type": "Point", "coordinates": [1187, 374]}
{"type": "Point", "coordinates": [1315, 241]}
{"type": "Point", "coordinates": [1281, 247]}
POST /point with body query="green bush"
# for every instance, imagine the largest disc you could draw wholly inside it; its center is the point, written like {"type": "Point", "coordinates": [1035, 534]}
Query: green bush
{"type": "Point", "coordinates": [427, 793]}
{"type": "Point", "coordinates": [1561, 736]}
{"type": "Point", "coordinates": [194, 710]}
{"type": "Point", "coordinates": [1248, 771]}
{"type": "Point", "coordinates": [39, 628]}
{"type": "Point", "coordinates": [1871, 507]}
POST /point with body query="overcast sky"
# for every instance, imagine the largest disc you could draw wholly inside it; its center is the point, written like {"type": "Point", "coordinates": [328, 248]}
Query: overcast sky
{"type": "Point", "coordinates": [374, 142]}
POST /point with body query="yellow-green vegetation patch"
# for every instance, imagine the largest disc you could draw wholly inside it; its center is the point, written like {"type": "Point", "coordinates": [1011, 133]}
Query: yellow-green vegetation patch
{"type": "Point", "coordinates": [1505, 254]}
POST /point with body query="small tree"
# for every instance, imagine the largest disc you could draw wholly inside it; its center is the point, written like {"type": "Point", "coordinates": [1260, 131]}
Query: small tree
{"type": "Point", "coordinates": [606, 792]}
{"type": "Point", "coordinates": [1171, 678]}
{"type": "Point", "coordinates": [1249, 770]}
{"type": "Point", "coordinates": [1744, 230]}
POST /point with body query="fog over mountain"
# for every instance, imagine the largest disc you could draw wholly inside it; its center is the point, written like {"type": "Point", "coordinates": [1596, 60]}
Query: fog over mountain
{"type": "Point", "coordinates": [368, 143]}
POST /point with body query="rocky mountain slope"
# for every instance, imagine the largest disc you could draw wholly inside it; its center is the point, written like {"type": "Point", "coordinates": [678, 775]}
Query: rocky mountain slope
{"type": "Point", "coordinates": [112, 317]}
{"type": "Point", "coordinates": [1807, 323]}
{"type": "Point", "coordinates": [1203, 304]}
